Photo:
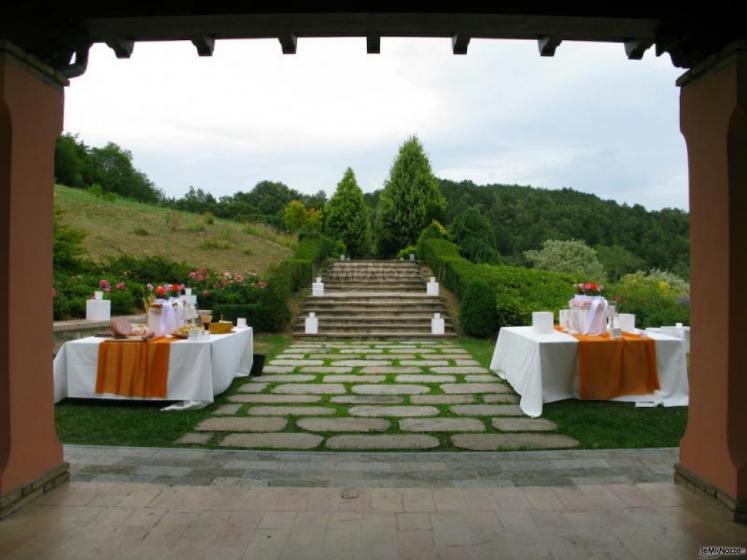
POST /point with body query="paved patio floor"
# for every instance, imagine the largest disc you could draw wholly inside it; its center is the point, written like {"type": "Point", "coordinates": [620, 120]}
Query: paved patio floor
{"type": "Point", "coordinates": [384, 505]}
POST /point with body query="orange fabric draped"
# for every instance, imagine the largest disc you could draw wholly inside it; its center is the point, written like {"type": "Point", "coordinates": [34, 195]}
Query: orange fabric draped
{"type": "Point", "coordinates": [134, 368]}
{"type": "Point", "coordinates": [610, 367]}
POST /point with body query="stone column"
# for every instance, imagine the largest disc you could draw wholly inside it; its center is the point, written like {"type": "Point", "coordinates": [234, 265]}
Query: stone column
{"type": "Point", "coordinates": [713, 119]}
{"type": "Point", "coordinates": [31, 107]}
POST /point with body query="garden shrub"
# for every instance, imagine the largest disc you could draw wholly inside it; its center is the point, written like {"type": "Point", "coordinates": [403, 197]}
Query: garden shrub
{"type": "Point", "coordinates": [145, 269]}
{"type": "Point", "coordinates": [478, 312]}
{"type": "Point", "coordinates": [434, 231]}
{"type": "Point", "coordinates": [405, 253]}
{"type": "Point", "coordinates": [657, 298]}
{"type": "Point", "coordinates": [516, 292]}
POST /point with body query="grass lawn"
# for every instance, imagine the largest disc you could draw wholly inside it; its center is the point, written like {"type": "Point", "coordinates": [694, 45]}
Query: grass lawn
{"type": "Point", "coordinates": [121, 225]}
{"type": "Point", "coordinates": [602, 424]}
{"type": "Point", "coordinates": [105, 422]}
{"type": "Point", "coordinates": [596, 425]}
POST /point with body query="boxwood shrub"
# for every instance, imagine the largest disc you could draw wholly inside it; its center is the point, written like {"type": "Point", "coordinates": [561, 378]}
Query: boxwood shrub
{"type": "Point", "coordinates": [516, 291]}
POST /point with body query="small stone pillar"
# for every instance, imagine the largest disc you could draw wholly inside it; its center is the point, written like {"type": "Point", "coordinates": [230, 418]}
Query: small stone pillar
{"type": "Point", "coordinates": [431, 288]}
{"type": "Point", "coordinates": [98, 309]}
{"type": "Point", "coordinates": [317, 288]}
{"type": "Point", "coordinates": [438, 325]}
{"type": "Point", "coordinates": [311, 324]}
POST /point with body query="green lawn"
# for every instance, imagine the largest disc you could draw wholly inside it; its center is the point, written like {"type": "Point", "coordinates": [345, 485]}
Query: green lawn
{"type": "Point", "coordinates": [596, 425]}
{"type": "Point", "coordinates": [105, 422]}
{"type": "Point", "coordinates": [601, 424]}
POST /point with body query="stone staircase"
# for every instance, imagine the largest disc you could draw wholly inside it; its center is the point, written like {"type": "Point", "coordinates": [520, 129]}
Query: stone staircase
{"type": "Point", "coordinates": [374, 299]}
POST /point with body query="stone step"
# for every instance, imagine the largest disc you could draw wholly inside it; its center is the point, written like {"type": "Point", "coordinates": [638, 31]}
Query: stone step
{"type": "Point", "coordinates": [359, 321]}
{"type": "Point", "coordinates": [374, 286]}
{"type": "Point", "coordinates": [372, 335]}
{"type": "Point", "coordinates": [391, 315]}
{"type": "Point", "coordinates": [366, 326]}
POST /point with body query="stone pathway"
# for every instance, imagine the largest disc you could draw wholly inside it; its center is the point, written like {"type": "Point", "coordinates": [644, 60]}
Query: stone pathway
{"type": "Point", "coordinates": [366, 395]}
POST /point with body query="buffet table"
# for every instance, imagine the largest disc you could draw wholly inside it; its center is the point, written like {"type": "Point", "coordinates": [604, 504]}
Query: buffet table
{"type": "Point", "coordinates": [544, 368]}
{"type": "Point", "coordinates": [197, 370]}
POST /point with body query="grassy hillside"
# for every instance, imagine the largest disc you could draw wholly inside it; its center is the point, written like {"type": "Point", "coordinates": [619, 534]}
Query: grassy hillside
{"type": "Point", "coordinates": [120, 225]}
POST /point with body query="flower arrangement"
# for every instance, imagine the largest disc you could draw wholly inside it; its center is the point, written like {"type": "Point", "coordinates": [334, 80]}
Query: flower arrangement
{"type": "Point", "coordinates": [161, 291]}
{"type": "Point", "coordinates": [589, 289]}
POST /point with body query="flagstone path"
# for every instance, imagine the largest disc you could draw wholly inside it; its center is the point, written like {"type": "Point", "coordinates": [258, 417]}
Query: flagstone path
{"type": "Point", "coordinates": [367, 395]}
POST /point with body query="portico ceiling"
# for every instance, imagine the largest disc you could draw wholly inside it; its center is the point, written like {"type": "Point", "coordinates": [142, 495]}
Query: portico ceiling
{"type": "Point", "coordinates": [62, 38]}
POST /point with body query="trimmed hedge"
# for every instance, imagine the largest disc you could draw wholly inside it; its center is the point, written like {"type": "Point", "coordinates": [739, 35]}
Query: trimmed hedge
{"type": "Point", "coordinates": [286, 278]}
{"type": "Point", "coordinates": [478, 314]}
{"type": "Point", "coordinates": [516, 291]}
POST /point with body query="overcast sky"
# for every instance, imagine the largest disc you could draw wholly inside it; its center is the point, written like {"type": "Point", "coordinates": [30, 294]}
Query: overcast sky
{"type": "Point", "coordinates": [588, 118]}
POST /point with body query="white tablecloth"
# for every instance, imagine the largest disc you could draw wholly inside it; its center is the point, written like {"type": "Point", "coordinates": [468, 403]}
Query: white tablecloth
{"type": "Point", "coordinates": [544, 368]}
{"type": "Point", "coordinates": [197, 370]}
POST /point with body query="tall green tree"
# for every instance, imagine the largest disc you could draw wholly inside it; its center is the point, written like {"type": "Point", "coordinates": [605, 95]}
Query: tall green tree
{"type": "Point", "coordinates": [411, 199]}
{"type": "Point", "coordinates": [347, 217]}
{"type": "Point", "coordinates": [472, 231]}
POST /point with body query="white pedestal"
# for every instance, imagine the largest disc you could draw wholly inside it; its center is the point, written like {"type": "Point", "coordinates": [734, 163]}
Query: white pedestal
{"type": "Point", "coordinates": [317, 289]}
{"type": "Point", "coordinates": [98, 309]}
{"type": "Point", "coordinates": [431, 288]}
{"type": "Point", "coordinates": [311, 324]}
{"type": "Point", "coordinates": [438, 325]}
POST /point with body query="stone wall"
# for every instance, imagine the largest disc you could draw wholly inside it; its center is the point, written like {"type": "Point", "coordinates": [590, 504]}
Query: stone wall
{"type": "Point", "coordinates": [81, 328]}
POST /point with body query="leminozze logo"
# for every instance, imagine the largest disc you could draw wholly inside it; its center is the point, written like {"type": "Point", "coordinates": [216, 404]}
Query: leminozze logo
{"type": "Point", "coordinates": [719, 551]}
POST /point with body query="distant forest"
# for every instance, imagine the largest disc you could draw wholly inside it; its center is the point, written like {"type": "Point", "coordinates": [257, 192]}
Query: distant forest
{"type": "Point", "coordinates": [521, 217]}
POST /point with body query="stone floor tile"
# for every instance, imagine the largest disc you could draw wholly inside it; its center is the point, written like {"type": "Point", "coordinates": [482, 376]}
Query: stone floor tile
{"type": "Point", "coordinates": [309, 388]}
{"type": "Point", "coordinates": [424, 378]}
{"type": "Point", "coordinates": [386, 499]}
{"type": "Point", "coordinates": [424, 363]}
{"type": "Point", "coordinates": [378, 411]}
{"type": "Point", "coordinates": [389, 389]}
{"type": "Point", "coordinates": [460, 369]}
{"type": "Point", "coordinates": [291, 411]}
{"type": "Point", "coordinates": [361, 363]}
{"type": "Point", "coordinates": [343, 424]}
{"type": "Point", "coordinates": [390, 369]}
{"type": "Point", "coordinates": [416, 545]}
{"type": "Point", "coordinates": [354, 378]}
{"type": "Point", "coordinates": [275, 399]}
{"type": "Point", "coordinates": [253, 387]}
{"type": "Point", "coordinates": [480, 378]}
{"type": "Point", "coordinates": [272, 441]}
{"type": "Point", "coordinates": [441, 425]}
{"type": "Point", "coordinates": [366, 399]}
{"type": "Point", "coordinates": [500, 398]}
{"type": "Point", "coordinates": [524, 425]}
{"type": "Point", "coordinates": [326, 369]}
{"type": "Point", "coordinates": [412, 521]}
{"type": "Point", "coordinates": [196, 439]}
{"type": "Point", "coordinates": [450, 529]}
{"type": "Point", "coordinates": [418, 500]}
{"type": "Point", "coordinates": [277, 520]}
{"type": "Point", "coordinates": [277, 369]}
{"type": "Point", "coordinates": [386, 441]}
{"type": "Point", "coordinates": [242, 424]}
{"type": "Point", "coordinates": [486, 410]}
{"type": "Point", "coordinates": [281, 378]}
{"type": "Point", "coordinates": [227, 409]}
{"type": "Point", "coordinates": [474, 388]}
{"type": "Point", "coordinates": [442, 399]}
{"type": "Point", "coordinates": [295, 363]}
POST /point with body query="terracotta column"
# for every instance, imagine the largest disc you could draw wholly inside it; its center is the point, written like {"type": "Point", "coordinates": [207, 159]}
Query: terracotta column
{"type": "Point", "coordinates": [31, 106]}
{"type": "Point", "coordinates": [713, 119]}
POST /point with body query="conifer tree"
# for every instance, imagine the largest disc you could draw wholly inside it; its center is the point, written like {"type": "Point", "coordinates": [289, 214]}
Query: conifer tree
{"type": "Point", "coordinates": [411, 199]}
{"type": "Point", "coordinates": [347, 217]}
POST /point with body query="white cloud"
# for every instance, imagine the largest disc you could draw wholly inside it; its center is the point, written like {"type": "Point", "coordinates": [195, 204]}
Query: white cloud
{"type": "Point", "coordinates": [587, 118]}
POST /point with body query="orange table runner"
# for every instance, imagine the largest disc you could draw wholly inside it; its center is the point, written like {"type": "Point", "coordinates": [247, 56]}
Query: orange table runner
{"type": "Point", "coordinates": [612, 367]}
{"type": "Point", "coordinates": [134, 368]}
